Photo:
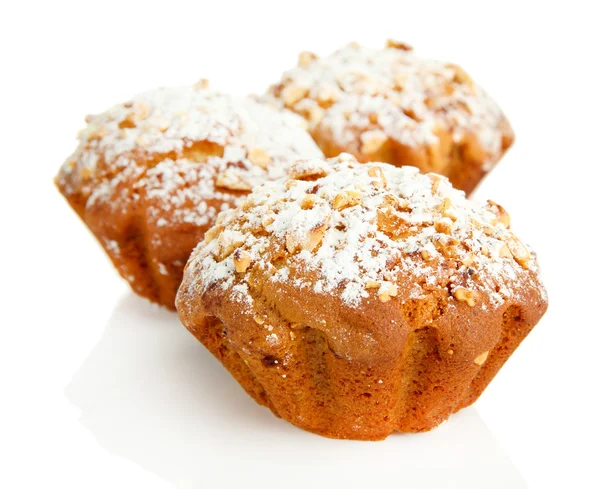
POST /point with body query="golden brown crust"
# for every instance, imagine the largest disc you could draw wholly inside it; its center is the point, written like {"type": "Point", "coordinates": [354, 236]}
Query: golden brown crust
{"type": "Point", "coordinates": [389, 105]}
{"type": "Point", "coordinates": [150, 175]}
{"type": "Point", "coordinates": [354, 305]}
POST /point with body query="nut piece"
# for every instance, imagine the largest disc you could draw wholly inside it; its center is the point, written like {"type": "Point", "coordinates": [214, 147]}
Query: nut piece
{"type": "Point", "coordinates": [377, 173]}
{"type": "Point", "coordinates": [85, 172]}
{"type": "Point", "coordinates": [505, 252]}
{"type": "Point", "coordinates": [202, 84]}
{"type": "Point", "coordinates": [292, 94]}
{"type": "Point", "coordinates": [232, 181]}
{"type": "Point", "coordinates": [226, 243]}
{"type": "Point", "coordinates": [435, 183]}
{"type": "Point", "coordinates": [387, 290]}
{"type": "Point", "coordinates": [372, 284]}
{"type": "Point", "coordinates": [468, 260]}
{"type": "Point", "coordinates": [241, 260]}
{"type": "Point", "coordinates": [372, 141]}
{"type": "Point", "coordinates": [391, 43]}
{"type": "Point", "coordinates": [426, 254]}
{"type": "Point", "coordinates": [315, 115]}
{"type": "Point", "coordinates": [345, 199]}
{"type": "Point", "coordinates": [503, 217]}
{"type": "Point", "coordinates": [306, 171]}
{"type": "Point", "coordinates": [212, 233]}
{"type": "Point", "coordinates": [519, 251]}
{"type": "Point", "coordinates": [305, 58]}
{"type": "Point", "coordinates": [259, 157]}
{"type": "Point", "coordinates": [481, 358]}
{"type": "Point", "coordinates": [308, 202]}
{"type": "Point", "coordinates": [444, 225]}
{"type": "Point", "coordinates": [465, 295]}
{"type": "Point", "coordinates": [294, 242]}
{"type": "Point", "coordinates": [460, 75]}
{"type": "Point", "coordinates": [447, 209]}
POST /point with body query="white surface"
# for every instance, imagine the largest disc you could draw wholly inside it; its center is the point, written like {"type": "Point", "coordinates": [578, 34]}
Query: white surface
{"type": "Point", "coordinates": [100, 389]}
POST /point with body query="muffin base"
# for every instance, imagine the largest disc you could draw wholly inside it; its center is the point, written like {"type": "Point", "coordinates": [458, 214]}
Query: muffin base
{"type": "Point", "coordinates": [321, 392]}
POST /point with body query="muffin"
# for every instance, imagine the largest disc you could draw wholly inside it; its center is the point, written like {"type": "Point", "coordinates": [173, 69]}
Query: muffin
{"type": "Point", "coordinates": [355, 300]}
{"type": "Point", "coordinates": [389, 105]}
{"type": "Point", "coordinates": [150, 175]}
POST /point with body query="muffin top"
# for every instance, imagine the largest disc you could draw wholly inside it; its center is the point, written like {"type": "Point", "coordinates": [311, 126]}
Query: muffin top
{"type": "Point", "coordinates": [183, 145]}
{"type": "Point", "coordinates": [365, 232]}
{"type": "Point", "coordinates": [390, 93]}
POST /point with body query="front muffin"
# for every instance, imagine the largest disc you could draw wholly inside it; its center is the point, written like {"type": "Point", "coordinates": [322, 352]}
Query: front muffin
{"type": "Point", "coordinates": [355, 300]}
{"type": "Point", "coordinates": [150, 176]}
{"type": "Point", "coordinates": [390, 105]}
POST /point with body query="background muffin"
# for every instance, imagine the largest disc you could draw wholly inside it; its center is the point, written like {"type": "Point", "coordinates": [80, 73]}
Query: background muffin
{"type": "Point", "coordinates": [389, 105]}
{"type": "Point", "coordinates": [149, 176]}
{"type": "Point", "coordinates": [358, 299]}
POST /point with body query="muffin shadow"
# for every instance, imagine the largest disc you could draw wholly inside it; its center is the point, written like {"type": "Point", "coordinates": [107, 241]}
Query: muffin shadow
{"type": "Point", "coordinates": [149, 392]}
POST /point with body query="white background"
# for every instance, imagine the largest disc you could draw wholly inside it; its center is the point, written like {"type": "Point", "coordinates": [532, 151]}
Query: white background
{"type": "Point", "coordinates": [100, 389]}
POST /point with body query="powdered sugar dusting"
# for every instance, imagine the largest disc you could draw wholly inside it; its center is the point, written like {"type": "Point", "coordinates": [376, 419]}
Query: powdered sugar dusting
{"type": "Point", "coordinates": [391, 92]}
{"type": "Point", "coordinates": [355, 229]}
{"type": "Point", "coordinates": [188, 153]}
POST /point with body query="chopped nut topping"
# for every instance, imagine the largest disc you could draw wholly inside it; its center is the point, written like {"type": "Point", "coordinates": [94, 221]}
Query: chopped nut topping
{"type": "Point", "coordinates": [505, 252]}
{"type": "Point", "coordinates": [443, 226]}
{"type": "Point", "coordinates": [387, 291]}
{"type": "Point", "coordinates": [85, 172]}
{"type": "Point", "coordinates": [372, 141]}
{"type": "Point", "coordinates": [503, 216]}
{"type": "Point", "coordinates": [327, 95]}
{"type": "Point", "coordinates": [400, 82]}
{"type": "Point", "coordinates": [445, 205]}
{"type": "Point", "coordinates": [259, 320]}
{"type": "Point", "coordinates": [202, 84]}
{"type": "Point", "coordinates": [377, 173]}
{"type": "Point", "coordinates": [212, 233]}
{"type": "Point", "coordinates": [305, 58]}
{"type": "Point", "coordinates": [465, 295]}
{"type": "Point", "coordinates": [309, 242]}
{"type": "Point", "coordinates": [519, 251]}
{"type": "Point", "coordinates": [345, 199]}
{"type": "Point", "coordinates": [480, 359]}
{"type": "Point", "coordinates": [315, 115]}
{"type": "Point", "coordinates": [447, 210]}
{"type": "Point", "coordinates": [227, 244]}
{"type": "Point", "coordinates": [293, 94]}
{"type": "Point", "coordinates": [308, 202]}
{"type": "Point", "coordinates": [436, 182]}
{"type": "Point", "coordinates": [232, 181]}
{"type": "Point", "coordinates": [398, 45]}
{"type": "Point", "coordinates": [268, 220]}
{"type": "Point", "coordinates": [372, 284]}
{"type": "Point", "coordinates": [259, 157]}
{"type": "Point", "coordinates": [127, 123]}
{"type": "Point", "coordinates": [304, 172]}
{"type": "Point", "coordinates": [468, 259]}
{"type": "Point", "coordinates": [389, 221]}
{"type": "Point", "coordinates": [396, 202]}
{"type": "Point", "coordinates": [426, 254]}
{"type": "Point", "coordinates": [241, 260]}
{"type": "Point", "coordinates": [460, 75]}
